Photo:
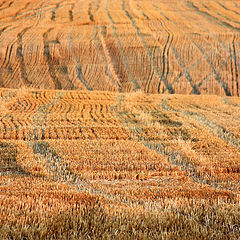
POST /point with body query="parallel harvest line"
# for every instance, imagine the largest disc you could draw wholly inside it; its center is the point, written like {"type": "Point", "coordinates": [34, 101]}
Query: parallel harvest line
{"type": "Point", "coordinates": [123, 57]}
{"type": "Point", "coordinates": [161, 78]}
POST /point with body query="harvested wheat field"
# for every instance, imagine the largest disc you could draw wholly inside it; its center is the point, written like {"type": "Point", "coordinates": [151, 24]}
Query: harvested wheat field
{"type": "Point", "coordinates": [164, 46]}
{"type": "Point", "coordinates": [119, 119]}
{"type": "Point", "coordinates": [105, 165]}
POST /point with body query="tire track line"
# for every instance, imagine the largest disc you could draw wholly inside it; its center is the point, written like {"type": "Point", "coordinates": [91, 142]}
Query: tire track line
{"type": "Point", "coordinates": [151, 72]}
{"type": "Point", "coordinates": [78, 65]}
{"type": "Point", "coordinates": [226, 8]}
{"type": "Point", "coordinates": [212, 18]}
{"type": "Point", "coordinates": [53, 17]}
{"type": "Point", "coordinates": [236, 64]}
{"type": "Point", "coordinates": [19, 11]}
{"type": "Point", "coordinates": [220, 15]}
{"type": "Point", "coordinates": [48, 59]}
{"type": "Point", "coordinates": [173, 157]}
{"type": "Point", "coordinates": [215, 128]}
{"type": "Point", "coordinates": [102, 30]}
{"type": "Point", "coordinates": [110, 68]}
{"type": "Point", "coordinates": [123, 57]}
{"type": "Point", "coordinates": [8, 6]}
{"type": "Point", "coordinates": [6, 60]}
{"type": "Point", "coordinates": [2, 3]}
{"type": "Point", "coordinates": [185, 70]}
{"type": "Point", "coordinates": [161, 77]}
{"type": "Point", "coordinates": [70, 12]}
{"type": "Point", "coordinates": [54, 63]}
{"type": "Point", "coordinates": [20, 57]}
{"type": "Point", "coordinates": [90, 14]}
{"type": "Point", "coordinates": [214, 72]}
{"type": "Point", "coordinates": [58, 170]}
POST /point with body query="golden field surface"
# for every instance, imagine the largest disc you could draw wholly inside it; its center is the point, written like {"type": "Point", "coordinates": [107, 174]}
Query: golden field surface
{"type": "Point", "coordinates": [119, 119]}
{"type": "Point", "coordinates": [107, 165]}
{"type": "Point", "coordinates": [164, 46]}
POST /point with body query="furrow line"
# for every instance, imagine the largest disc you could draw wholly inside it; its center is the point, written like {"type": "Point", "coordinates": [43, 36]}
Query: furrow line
{"type": "Point", "coordinates": [185, 69]}
{"type": "Point", "coordinates": [109, 65]}
{"type": "Point", "coordinates": [78, 65]}
{"type": "Point", "coordinates": [216, 75]}
{"type": "Point", "coordinates": [48, 59]}
{"type": "Point", "coordinates": [19, 11]}
{"type": "Point", "coordinates": [224, 7]}
{"type": "Point", "coordinates": [21, 57]}
{"type": "Point", "coordinates": [123, 57]}
{"type": "Point", "coordinates": [71, 17]}
{"type": "Point", "coordinates": [236, 67]}
{"type": "Point", "coordinates": [167, 85]}
{"type": "Point", "coordinates": [8, 6]}
{"type": "Point", "coordinates": [214, 71]}
{"type": "Point", "coordinates": [212, 18]}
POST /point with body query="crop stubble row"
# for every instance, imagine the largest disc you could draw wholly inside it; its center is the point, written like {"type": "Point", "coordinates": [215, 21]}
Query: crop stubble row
{"type": "Point", "coordinates": [175, 47]}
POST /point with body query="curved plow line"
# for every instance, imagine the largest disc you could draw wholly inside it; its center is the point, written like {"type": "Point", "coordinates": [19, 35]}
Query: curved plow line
{"type": "Point", "coordinates": [7, 53]}
{"type": "Point", "coordinates": [161, 78]}
{"type": "Point", "coordinates": [103, 57]}
{"type": "Point", "coordinates": [212, 18]}
{"type": "Point", "coordinates": [151, 73]}
{"type": "Point", "coordinates": [70, 12]}
{"type": "Point", "coordinates": [36, 12]}
{"type": "Point", "coordinates": [90, 10]}
{"type": "Point", "coordinates": [215, 69]}
{"type": "Point", "coordinates": [236, 64]}
{"type": "Point", "coordinates": [9, 5]}
{"type": "Point", "coordinates": [49, 58]}
{"type": "Point", "coordinates": [205, 56]}
{"type": "Point", "coordinates": [78, 65]}
{"type": "Point", "coordinates": [58, 5]}
{"type": "Point", "coordinates": [180, 62]}
{"type": "Point", "coordinates": [21, 57]}
{"type": "Point", "coordinates": [185, 70]}
{"type": "Point", "coordinates": [216, 74]}
{"type": "Point", "coordinates": [109, 65]}
{"type": "Point", "coordinates": [217, 77]}
{"type": "Point", "coordinates": [224, 17]}
{"type": "Point", "coordinates": [226, 8]}
{"type": "Point", "coordinates": [123, 57]}
{"type": "Point", "coordinates": [19, 11]}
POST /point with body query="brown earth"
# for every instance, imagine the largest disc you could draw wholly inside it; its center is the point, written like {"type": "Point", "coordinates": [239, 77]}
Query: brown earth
{"type": "Point", "coordinates": [174, 46]}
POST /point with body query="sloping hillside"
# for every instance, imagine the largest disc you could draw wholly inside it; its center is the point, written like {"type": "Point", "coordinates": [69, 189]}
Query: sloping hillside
{"type": "Point", "coordinates": [80, 163]}
{"type": "Point", "coordinates": [174, 46]}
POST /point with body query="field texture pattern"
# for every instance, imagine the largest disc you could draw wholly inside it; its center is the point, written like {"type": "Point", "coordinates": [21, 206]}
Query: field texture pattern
{"type": "Point", "coordinates": [166, 46]}
{"type": "Point", "coordinates": [173, 156]}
